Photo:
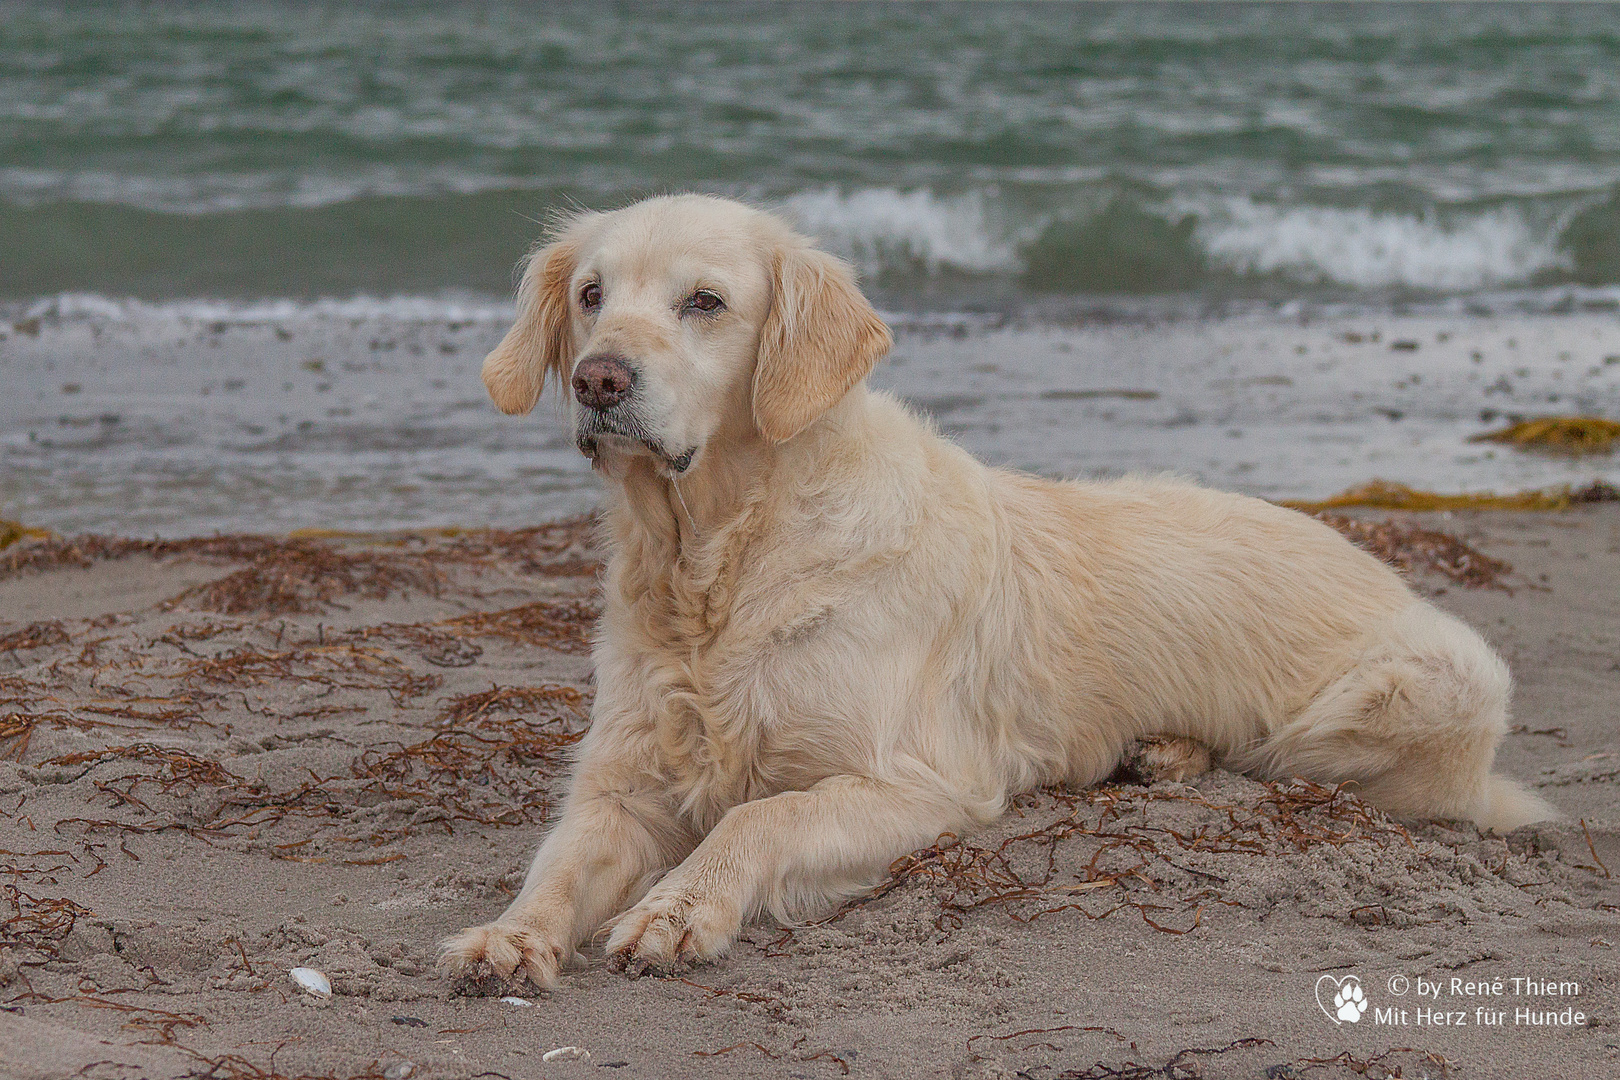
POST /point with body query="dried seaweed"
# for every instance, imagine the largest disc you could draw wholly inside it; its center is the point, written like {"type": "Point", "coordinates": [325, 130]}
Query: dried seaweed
{"type": "Point", "coordinates": [237, 1067]}
{"type": "Point", "coordinates": [37, 635]}
{"type": "Point", "coordinates": [468, 775]}
{"type": "Point", "coordinates": [1183, 1066]}
{"type": "Point", "coordinates": [772, 1005]}
{"type": "Point", "coordinates": [1601, 866]}
{"type": "Point", "coordinates": [37, 923]}
{"type": "Point", "coordinates": [1408, 546]}
{"type": "Point", "coordinates": [17, 729]}
{"type": "Point", "coordinates": [345, 666]}
{"type": "Point", "coordinates": [1021, 875]}
{"type": "Point", "coordinates": [13, 531]}
{"type": "Point", "coordinates": [178, 713]}
{"type": "Point", "coordinates": [1598, 491]}
{"type": "Point", "coordinates": [1377, 1067]}
{"type": "Point", "coordinates": [1384, 495]}
{"type": "Point", "coordinates": [294, 576]}
{"type": "Point", "coordinates": [564, 625]}
{"type": "Point", "coordinates": [12, 868]}
{"type": "Point", "coordinates": [306, 571]}
{"type": "Point", "coordinates": [207, 630]}
{"type": "Point", "coordinates": [59, 551]}
{"type": "Point", "coordinates": [1043, 1031]}
{"type": "Point", "coordinates": [481, 769]}
{"type": "Point", "coordinates": [159, 1022]}
{"type": "Point", "coordinates": [724, 1050]}
{"type": "Point", "coordinates": [469, 707]}
{"type": "Point", "coordinates": [564, 548]}
{"type": "Point", "coordinates": [179, 771]}
{"type": "Point", "coordinates": [1558, 434]}
{"type": "Point", "coordinates": [281, 576]}
{"type": "Point", "coordinates": [793, 1053]}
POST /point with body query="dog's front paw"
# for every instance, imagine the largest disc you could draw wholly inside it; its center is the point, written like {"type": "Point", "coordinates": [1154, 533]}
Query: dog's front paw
{"type": "Point", "coordinates": [669, 929]}
{"type": "Point", "coordinates": [506, 951]}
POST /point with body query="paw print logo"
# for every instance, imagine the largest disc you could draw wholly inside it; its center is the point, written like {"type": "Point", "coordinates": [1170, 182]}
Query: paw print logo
{"type": "Point", "coordinates": [1341, 1000]}
{"type": "Point", "coordinates": [1349, 1002]}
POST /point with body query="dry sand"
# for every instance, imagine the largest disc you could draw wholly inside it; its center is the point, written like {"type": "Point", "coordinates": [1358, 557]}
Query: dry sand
{"type": "Point", "coordinates": [230, 758]}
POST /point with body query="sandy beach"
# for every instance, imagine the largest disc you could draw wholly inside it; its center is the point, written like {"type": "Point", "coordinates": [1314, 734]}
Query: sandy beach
{"type": "Point", "coordinates": [230, 757]}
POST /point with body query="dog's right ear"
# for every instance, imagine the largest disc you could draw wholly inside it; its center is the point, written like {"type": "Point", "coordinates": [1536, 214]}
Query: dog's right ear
{"type": "Point", "coordinates": [539, 343]}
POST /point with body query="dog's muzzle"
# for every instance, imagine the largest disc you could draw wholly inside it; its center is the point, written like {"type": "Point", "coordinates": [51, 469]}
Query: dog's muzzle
{"type": "Point", "coordinates": [590, 443]}
{"type": "Point", "coordinates": [594, 429]}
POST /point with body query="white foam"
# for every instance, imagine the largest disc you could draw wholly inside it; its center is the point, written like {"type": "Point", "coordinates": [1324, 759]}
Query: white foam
{"type": "Point", "coordinates": [885, 228]}
{"type": "Point", "coordinates": [96, 308]}
{"type": "Point", "coordinates": [1370, 250]}
{"type": "Point", "coordinates": [881, 227]}
{"type": "Point", "coordinates": [205, 192]}
{"type": "Point", "coordinates": [92, 307]}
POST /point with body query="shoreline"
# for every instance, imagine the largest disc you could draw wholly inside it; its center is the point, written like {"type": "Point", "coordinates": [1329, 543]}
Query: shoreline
{"type": "Point", "coordinates": [359, 419]}
{"type": "Point", "coordinates": [243, 754]}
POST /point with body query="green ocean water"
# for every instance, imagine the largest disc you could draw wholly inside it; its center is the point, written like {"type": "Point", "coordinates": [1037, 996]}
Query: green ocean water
{"type": "Point", "coordinates": [962, 154]}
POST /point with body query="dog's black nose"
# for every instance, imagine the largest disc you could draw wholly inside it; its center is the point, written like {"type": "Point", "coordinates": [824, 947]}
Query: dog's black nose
{"type": "Point", "coordinates": [601, 382]}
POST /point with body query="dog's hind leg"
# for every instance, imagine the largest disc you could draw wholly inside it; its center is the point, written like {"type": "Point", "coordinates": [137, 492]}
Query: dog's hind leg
{"type": "Point", "coordinates": [1414, 724]}
{"type": "Point", "coordinates": [1164, 757]}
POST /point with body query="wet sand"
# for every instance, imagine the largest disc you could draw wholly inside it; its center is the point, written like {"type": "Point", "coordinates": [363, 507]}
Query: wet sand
{"type": "Point", "coordinates": [228, 758]}
{"type": "Point", "coordinates": [188, 418]}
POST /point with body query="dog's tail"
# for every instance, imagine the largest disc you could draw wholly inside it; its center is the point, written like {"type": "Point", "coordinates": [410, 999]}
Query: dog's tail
{"type": "Point", "coordinates": [1506, 804]}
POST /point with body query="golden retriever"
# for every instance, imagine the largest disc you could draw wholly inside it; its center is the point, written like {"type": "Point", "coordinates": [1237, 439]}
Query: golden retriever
{"type": "Point", "coordinates": [830, 635]}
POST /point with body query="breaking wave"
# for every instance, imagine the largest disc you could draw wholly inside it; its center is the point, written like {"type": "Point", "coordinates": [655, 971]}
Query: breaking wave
{"type": "Point", "coordinates": [1123, 242]}
{"type": "Point", "coordinates": [1100, 238]}
{"type": "Point", "coordinates": [882, 230]}
{"type": "Point", "coordinates": [1365, 249]}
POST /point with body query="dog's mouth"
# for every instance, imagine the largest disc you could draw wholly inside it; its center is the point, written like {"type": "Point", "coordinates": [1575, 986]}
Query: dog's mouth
{"type": "Point", "coordinates": [600, 434]}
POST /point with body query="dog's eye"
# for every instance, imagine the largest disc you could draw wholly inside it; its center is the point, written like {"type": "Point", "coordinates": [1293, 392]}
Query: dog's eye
{"type": "Point", "coordinates": [706, 301]}
{"type": "Point", "coordinates": [590, 296]}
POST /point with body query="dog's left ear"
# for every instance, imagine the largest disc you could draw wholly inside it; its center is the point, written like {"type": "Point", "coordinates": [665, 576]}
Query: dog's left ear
{"type": "Point", "coordinates": [820, 338]}
{"type": "Point", "coordinates": [539, 343]}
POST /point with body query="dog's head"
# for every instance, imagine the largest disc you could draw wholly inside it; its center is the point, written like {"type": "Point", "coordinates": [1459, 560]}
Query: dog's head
{"type": "Point", "coordinates": [680, 321]}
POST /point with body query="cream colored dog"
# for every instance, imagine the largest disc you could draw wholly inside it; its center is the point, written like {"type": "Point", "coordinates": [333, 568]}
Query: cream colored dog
{"type": "Point", "coordinates": [830, 635]}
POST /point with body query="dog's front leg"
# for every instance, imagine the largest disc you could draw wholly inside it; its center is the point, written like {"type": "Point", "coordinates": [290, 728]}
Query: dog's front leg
{"type": "Point", "coordinates": [610, 845]}
{"type": "Point", "coordinates": [792, 854]}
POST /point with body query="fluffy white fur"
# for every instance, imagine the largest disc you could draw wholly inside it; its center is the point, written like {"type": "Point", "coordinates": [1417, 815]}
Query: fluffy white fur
{"type": "Point", "coordinates": [835, 635]}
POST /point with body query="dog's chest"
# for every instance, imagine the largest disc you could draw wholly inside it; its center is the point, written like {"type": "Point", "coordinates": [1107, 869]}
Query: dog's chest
{"type": "Point", "coordinates": [724, 703]}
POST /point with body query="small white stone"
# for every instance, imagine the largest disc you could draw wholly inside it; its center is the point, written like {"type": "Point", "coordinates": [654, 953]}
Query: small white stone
{"type": "Point", "coordinates": [400, 1070]}
{"type": "Point", "coordinates": [517, 1001]}
{"type": "Point", "coordinates": [566, 1053]}
{"type": "Point", "coordinates": [311, 981]}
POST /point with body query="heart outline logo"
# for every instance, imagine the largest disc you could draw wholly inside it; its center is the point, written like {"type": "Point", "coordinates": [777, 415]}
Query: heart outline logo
{"type": "Point", "coordinates": [1339, 985]}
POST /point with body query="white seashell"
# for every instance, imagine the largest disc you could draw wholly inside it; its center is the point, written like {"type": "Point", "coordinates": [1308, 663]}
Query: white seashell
{"type": "Point", "coordinates": [311, 981]}
{"type": "Point", "coordinates": [516, 1001]}
{"type": "Point", "coordinates": [566, 1053]}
